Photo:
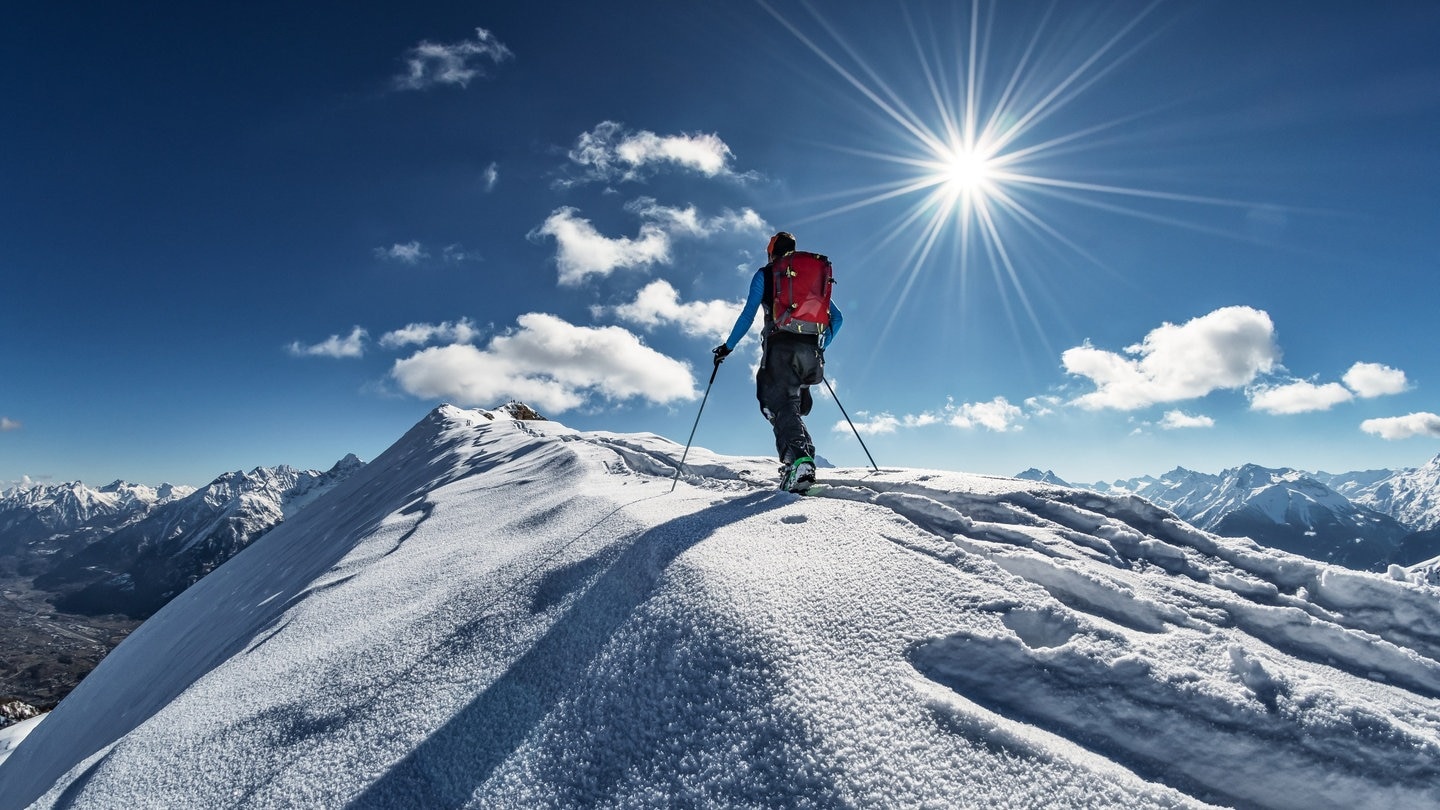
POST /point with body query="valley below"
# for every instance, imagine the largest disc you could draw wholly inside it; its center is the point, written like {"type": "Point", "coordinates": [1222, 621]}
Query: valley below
{"type": "Point", "coordinates": [44, 653]}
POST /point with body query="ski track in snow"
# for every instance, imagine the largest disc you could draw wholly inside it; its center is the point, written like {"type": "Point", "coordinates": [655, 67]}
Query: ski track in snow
{"type": "Point", "coordinates": [450, 629]}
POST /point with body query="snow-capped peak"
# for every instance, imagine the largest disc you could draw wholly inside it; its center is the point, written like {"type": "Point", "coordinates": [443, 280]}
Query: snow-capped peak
{"type": "Point", "coordinates": [447, 628]}
{"type": "Point", "coordinates": [1412, 496]}
{"type": "Point", "coordinates": [38, 511]}
{"type": "Point", "coordinates": [1044, 477]}
{"type": "Point", "coordinates": [139, 566]}
{"type": "Point", "coordinates": [519, 410]}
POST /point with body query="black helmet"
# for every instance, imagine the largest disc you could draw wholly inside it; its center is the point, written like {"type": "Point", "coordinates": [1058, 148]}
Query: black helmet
{"type": "Point", "coordinates": [780, 244]}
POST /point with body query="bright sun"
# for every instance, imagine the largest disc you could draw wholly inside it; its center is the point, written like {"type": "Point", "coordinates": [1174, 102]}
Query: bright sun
{"type": "Point", "coordinates": [965, 172]}
{"type": "Point", "coordinates": [978, 163]}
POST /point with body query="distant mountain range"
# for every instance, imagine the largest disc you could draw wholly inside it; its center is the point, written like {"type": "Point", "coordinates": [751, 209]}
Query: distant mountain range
{"type": "Point", "coordinates": [1365, 520]}
{"type": "Point", "coordinates": [128, 549]}
{"type": "Point", "coordinates": [46, 521]}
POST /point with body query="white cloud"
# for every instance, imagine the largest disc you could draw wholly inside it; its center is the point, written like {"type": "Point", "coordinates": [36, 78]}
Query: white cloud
{"type": "Point", "coordinates": [333, 346]}
{"type": "Point", "coordinates": [430, 63]}
{"type": "Point", "coordinates": [582, 251]}
{"type": "Point", "coordinates": [491, 176]}
{"type": "Point", "coordinates": [1179, 420]}
{"type": "Point", "coordinates": [409, 253]}
{"type": "Point", "coordinates": [688, 222]}
{"type": "Point", "coordinates": [1298, 397]}
{"type": "Point", "coordinates": [702, 153]}
{"type": "Point", "coordinates": [1042, 405]}
{"type": "Point", "coordinates": [1363, 379]}
{"type": "Point", "coordinates": [7, 424]}
{"type": "Point", "coordinates": [1227, 348]}
{"type": "Point", "coordinates": [997, 415]}
{"type": "Point", "coordinates": [457, 253]}
{"type": "Point", "coordinates": [462, 331]}
{"type": "Point", "coordinates": [1404, 427]}
{"type": "Point", "coordinates": [886, 423]}
{"type": "Point", "coordinates": [659, 303]}
{"type": "Point", "coordinates": [610, 152]}
{"type": "Point", "coordinates": [880, 423]}
{"type": "Point", "coordinates": [1375, 380]}
{"type": "Point", "coordinates": [413, 253]}
{"type": "Point", "coordinates": [550, 364]}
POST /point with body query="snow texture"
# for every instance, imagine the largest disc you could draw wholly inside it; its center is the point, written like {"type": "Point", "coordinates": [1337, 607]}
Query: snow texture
{"type": "Point", "coordinates": [506, 613]}
{"type": "Point", "coordinates": [12, 735]}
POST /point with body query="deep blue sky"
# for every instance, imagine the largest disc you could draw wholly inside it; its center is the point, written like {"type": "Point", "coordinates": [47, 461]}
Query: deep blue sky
{"type": "Point", "coordinates": [194, 201]}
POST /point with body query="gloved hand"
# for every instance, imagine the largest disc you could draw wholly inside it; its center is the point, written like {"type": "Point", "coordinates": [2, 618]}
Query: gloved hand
{"type": "Point", "coordinates": [721, 352]}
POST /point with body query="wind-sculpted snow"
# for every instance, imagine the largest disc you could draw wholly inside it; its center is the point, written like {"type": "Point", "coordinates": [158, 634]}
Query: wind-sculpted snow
{"type": "Point", "coordinates": [504, 613]}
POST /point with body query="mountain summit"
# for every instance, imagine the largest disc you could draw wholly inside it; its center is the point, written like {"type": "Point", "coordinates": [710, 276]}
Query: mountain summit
{"type": "Point", "coordinates": [503, 612]}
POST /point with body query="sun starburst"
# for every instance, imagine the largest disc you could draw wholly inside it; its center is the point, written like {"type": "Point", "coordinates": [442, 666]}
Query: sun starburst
{"type": "Point", "coordinates": [990, 148]}
{"type": "Point", "coordinates": [965, 171]}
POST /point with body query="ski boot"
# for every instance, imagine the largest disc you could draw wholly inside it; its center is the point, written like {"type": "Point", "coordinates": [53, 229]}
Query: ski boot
{"type": "Point", "coordinates": [798, 475]}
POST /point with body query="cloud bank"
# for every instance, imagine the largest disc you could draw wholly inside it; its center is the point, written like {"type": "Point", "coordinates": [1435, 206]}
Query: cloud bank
{"type": "Point", "coordinates": [548, 363]}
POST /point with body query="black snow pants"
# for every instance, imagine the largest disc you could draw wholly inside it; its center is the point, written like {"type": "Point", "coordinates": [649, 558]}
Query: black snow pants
{"type": "Point", "coordinates": [790, 365]}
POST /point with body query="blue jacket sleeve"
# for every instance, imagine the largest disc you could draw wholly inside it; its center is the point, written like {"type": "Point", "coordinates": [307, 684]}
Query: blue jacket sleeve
{"type": "Point", "coordinates": [835, 320]}
{"type": "Point", "coordinates": [747, 315]}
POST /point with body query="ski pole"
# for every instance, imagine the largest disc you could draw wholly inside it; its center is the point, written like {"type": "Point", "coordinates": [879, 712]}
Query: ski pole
{"type": "Point", "coordinates": [713, 372]}
{"type": "Point", "coordinates": [873, 465]}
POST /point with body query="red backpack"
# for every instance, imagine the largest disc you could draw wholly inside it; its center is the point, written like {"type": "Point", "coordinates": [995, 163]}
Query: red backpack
{"type": "Point", "coordinates": [800, 284]}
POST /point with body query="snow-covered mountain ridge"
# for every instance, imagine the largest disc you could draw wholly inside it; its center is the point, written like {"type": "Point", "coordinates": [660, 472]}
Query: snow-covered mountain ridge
{"type": "Point", "coordinates": [1410, 496]}
{"type": "Point", "coordinates": [76, 580]}
{"type": "Point", "coordinates": [60, 518]}
{"type": "Point", "coordinates": [1381, 517]}
{"type": "Point", "coordinates": [142, 565]}
{"type": "Point", "coordinates": [448, 627]}
{"type": "Point", "coordinates": [66, 505]}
